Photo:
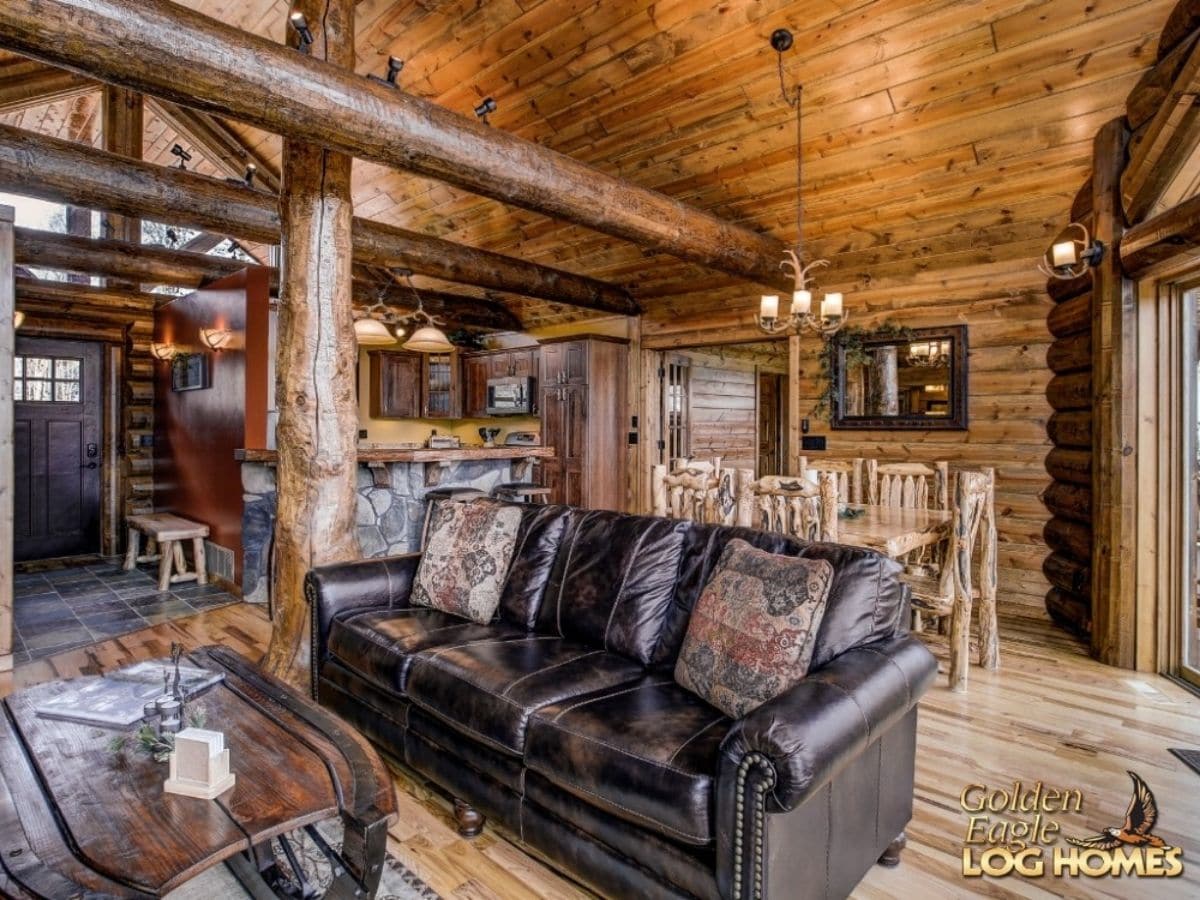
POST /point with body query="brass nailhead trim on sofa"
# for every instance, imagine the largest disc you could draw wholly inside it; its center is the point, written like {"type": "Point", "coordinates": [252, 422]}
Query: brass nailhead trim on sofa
{"type": "Point", "coordinates": [761, 786]}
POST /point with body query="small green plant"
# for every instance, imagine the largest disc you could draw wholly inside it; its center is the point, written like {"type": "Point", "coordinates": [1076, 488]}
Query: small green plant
{"type": "Point", "coordinates": [850, 343]}
{"type": "Point", "coordinates": [147, 740]}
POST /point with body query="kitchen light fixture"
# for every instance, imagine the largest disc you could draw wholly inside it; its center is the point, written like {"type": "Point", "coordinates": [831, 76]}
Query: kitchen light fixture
{"type": "Point", "coordinates": [800, 317]}
{"type": "Point", "coordinates": [215, 339]}
{"type": "Point", "coordinates": [1070, 257]}
{"type": "Point", "coordinates": [162, 351]}
{"type": "Point", "coordinates": [427, 338]}
{"type": "Point", "coordinates": [372, 333]}
{"type": "Point", "coordinates": [18, 319]}
{"type": "Point", "coordinates": [300, 23]}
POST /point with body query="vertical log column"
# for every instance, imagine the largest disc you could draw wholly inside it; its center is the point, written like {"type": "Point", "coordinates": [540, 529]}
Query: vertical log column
{"type": "Point", "coordinates": [122, 118]}
{"type": "Point", "coordinates": [1114, 435]}
{"type": "Point", "coordinates": [315, 365]}
{"type": "Point", "coordinates": [7, 348]}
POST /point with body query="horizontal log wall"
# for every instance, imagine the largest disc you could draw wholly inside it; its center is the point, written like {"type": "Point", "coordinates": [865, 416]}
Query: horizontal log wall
{"type": "Point", "coordinates": [1005, 308]}
{"type": "Point", "coordinates": [722, 419]}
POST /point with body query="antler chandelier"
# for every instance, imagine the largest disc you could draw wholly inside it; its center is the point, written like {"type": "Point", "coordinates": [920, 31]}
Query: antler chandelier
{"type": "Point", "coordinates": [800, 317]}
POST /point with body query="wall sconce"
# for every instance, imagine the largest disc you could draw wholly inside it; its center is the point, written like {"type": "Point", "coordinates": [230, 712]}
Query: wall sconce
{"type": "Point", "coordinates": [1072, 256]}
{"type": "Point", "coordinates": [18, 319]}
{"type": "Point", "coordinates": [215, 339]}
{"type": "Point", "coordinates": [162, 352]}
{"type": "Point", "coordinates": [300, 23]}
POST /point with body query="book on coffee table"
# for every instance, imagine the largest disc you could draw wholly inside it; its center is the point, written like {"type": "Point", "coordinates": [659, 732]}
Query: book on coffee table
{"type": "Point", "coordinates": [118, 699]}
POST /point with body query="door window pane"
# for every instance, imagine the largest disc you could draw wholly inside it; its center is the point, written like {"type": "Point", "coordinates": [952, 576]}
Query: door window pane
{"type": "Point", "coordinates": [41, 379]}
{"type": "Point", "coordinates": [66, 370]}
{"type": "Point", "coordinates": [66, 391]}
{"type": "Point", "coordinates": [37, 391]}
{"type": "Point", "coordinates": [18, 366]}
{"type": "Point", "coordinates": [19, 390]}
{"type": "Point", "coordinates": [37, 367]}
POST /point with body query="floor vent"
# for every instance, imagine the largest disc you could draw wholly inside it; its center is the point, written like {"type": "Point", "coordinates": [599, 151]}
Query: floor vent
{"type": "Point", "coordinates": [219, 560]}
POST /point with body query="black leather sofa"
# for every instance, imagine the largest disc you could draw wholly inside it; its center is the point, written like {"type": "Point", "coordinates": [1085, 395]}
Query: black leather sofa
{"type": "Point", "coordinates": [561, 719]}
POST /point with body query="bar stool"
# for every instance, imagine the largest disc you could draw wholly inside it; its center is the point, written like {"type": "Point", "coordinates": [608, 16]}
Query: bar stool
{"type": "Point", "coordinates": [522, 492]}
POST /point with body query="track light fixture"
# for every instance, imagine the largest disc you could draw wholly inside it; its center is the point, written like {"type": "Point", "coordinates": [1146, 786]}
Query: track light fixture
{"type": "Point", "coordinates": [300, 23]}
{"type": "Point", "coordinates": [183, 156]}
{"type": "Point", "coordinates": [395, 67]}
{"type": "Point", "coordinates": [251, 171]}
{"type": "Point", "coordinates": [486, 107]}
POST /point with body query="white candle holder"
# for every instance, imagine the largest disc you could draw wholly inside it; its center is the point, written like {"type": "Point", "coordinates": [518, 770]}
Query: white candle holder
{"type": "Point", "coordinates": [199, 765]}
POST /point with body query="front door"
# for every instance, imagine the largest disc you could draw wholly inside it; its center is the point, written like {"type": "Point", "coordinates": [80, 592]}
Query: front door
{"type": "Point", "coordinates": [56, 448]}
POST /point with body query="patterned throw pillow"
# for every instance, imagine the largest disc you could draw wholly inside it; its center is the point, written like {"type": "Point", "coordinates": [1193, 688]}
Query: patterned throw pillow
{"type": "Point", "coordinates": [752, 633]}
{"type": "Point", "coordinates": [468, 548]}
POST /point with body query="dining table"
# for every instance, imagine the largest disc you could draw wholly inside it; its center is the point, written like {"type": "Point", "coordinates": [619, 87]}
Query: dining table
{"type": "Point", "coordinates": [892, 530]}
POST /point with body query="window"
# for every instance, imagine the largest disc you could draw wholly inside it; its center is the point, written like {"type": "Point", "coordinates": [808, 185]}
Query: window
{"type": "Point", "coordinates": [47, 379]}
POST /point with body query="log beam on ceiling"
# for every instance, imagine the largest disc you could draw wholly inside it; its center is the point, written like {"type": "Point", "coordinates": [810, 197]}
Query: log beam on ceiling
{"type": "Point", "coordinates": [175, 53]}
{"type": "Point", "coordinates": [27, 82]}
{"type": "Point", "coordinates": [52, 169]}
{"type": "Point", "coordinates": [147, 264]}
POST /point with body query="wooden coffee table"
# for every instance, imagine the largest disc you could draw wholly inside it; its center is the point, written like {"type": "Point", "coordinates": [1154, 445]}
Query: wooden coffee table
{"type": "Point", "coordinates": [78, 820]}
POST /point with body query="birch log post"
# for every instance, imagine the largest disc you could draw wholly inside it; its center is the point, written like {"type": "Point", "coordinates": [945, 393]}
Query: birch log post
{"type": "Point", "coordinates": [316, 362]}
{"type": "Point", "coordinates": [989, 638]}
{"type": "Point", "coordinates": [7, 348]}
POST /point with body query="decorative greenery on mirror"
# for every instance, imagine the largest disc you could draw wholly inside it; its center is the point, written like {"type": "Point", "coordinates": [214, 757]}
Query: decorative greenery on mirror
{"type": "Point", "coordinates": [896, 379]}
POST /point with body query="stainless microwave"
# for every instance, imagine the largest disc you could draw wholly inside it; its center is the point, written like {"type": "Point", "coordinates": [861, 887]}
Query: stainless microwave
{"type": "Point", "coordinates": [511, 397]}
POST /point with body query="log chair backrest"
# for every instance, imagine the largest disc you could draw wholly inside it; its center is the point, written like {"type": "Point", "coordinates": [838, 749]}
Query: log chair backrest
{"type": "Point", "coordinates": [696, 490]}
{"type": "Point", "coordinates": [793, 506]}
{"type": "Point", "coordinates": [848, 473]}
{"type": "Point", "coordinates": [909, 485]}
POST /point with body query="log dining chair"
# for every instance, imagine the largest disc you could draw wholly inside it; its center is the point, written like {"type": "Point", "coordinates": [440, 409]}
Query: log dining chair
{"type": "Point", "coordinates": [912, 485]}
{"type": "Point", "coordinates": [952, 591]}
{"type": "Point", "coordinates": [848, 472]}
{"type": "Point", "coordinates": [697, 490]}
{"type": "Point", "coordinates": [791, 505]}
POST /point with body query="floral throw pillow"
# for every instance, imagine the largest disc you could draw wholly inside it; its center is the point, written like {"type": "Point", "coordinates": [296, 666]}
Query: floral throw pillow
{"type": "Point", "coordinates": [468, 548]}
{"type": "Point", "coordinates": [752, 633]}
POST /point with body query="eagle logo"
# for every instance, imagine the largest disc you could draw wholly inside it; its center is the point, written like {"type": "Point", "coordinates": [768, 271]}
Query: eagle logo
{"type": "Point", "coordinates": [1139, 822]}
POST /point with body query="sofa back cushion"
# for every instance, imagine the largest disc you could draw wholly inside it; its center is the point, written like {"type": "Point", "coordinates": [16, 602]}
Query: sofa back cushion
{"type": "Point", "coordinates": [538, 542]}
{"type": "Point", "coordinates": [866, 599]}
{"type": "Point", "coordinates": [614, 583]}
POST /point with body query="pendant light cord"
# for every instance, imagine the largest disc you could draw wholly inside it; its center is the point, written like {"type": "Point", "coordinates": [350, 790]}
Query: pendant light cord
{"type": "Point", "coordinates": [794, 103]}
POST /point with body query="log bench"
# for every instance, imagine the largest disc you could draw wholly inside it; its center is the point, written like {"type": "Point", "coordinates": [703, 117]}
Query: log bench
{"type": "Point", "coordinates": [168, 532]}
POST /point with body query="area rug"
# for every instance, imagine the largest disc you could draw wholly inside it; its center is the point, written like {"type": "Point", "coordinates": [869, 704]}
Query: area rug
{"type": "Point", "coordinates": [397, 883]}
{"type": "Point", "coordinates": [1190, 758]}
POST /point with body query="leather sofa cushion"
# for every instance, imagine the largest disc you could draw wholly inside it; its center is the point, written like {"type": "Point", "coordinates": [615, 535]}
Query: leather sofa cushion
{"type": "Point", "coordinates": [379, 645]}
{"type": "Point", "coordinates": [647, 753]}
{"type": "Point", "coordinates": [489, 689]}
{"type": "Point", "coordinates": [615, 582]}
{"type": "Point", "coordinates": [866, 600]}
{"type": "Point", "coordinates": [538, 542]}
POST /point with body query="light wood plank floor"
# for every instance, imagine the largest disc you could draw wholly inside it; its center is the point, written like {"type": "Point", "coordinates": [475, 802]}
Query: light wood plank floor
{"type": "Point", "coordinates": [1050, 713]}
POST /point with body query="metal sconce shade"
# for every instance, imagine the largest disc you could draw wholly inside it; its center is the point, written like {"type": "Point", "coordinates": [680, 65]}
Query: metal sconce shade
{"type": "Point", "coordinates": [372, 333]}
{"type": "Point", "coordinates": [428, 339]}
{"type": "Point", "coordinates": [18, 319]}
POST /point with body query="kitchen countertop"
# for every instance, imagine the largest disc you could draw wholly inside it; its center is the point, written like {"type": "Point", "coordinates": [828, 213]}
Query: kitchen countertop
{"type": "Point", "coordinates": [424, 455]}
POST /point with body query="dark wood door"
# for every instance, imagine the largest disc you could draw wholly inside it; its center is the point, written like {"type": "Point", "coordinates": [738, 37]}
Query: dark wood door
{"type": "Point", "coordinates": [475, 378]}
{"type": "Point", "coordinates": [770, 424]}
{"type": "Point", "coordinates": [56, 448]}
{"type": "Point", "coordinates": [395, 385]}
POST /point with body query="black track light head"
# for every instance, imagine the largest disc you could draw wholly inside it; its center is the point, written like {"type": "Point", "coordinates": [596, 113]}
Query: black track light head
{"type": "Point", "coordinates": [300, 23]}
{"type": "Point", "coordinates": [485, 108]}
{"type": "Point", "coordinates": [395, 66]}
{"type": "Point", "coordinates": [183, 156]}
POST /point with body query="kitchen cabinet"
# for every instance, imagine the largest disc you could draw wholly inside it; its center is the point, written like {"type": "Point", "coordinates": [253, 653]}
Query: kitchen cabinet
{"type": "Point", "coordinates": [477, 368]}
{"type": "Point", "coordinates": [583, 383]}
{"type": "Point", "coordinates": [415, 385]}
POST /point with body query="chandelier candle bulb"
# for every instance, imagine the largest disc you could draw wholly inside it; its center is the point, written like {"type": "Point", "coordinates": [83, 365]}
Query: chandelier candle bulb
{"type": "Point", "coordinates": [831, 306]}
{"type": "Point", "coordinates": [802, 302]}
{"type": "Point", "coordinates": [769, 308]}
{"type": "Point", "coordinates": [1063, 254]}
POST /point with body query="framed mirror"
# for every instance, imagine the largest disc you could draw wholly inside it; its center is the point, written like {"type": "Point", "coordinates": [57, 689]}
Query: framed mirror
{"type": "Point", "coordinates": [911, 382]}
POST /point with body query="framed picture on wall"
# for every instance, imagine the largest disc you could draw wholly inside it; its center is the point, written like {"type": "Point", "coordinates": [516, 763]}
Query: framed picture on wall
{"type": "Point", "coordinates": [190, 372]}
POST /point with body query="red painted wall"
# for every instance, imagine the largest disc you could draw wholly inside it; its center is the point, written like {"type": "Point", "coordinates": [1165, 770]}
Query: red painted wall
{"type": "Point", "coordinates": [197, 432]}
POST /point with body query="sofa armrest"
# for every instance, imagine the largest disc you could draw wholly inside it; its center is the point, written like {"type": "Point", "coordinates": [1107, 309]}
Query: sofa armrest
{"type": "Point", "coordinates": [805, 735]}
{"type": "Point", "coordinates": [380, 583]}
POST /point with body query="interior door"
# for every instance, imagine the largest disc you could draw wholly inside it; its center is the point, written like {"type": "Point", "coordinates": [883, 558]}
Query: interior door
{"type": "Point", "coordinates": [56, 448]}
{"type": "Point", "coordinates": [770, 424]}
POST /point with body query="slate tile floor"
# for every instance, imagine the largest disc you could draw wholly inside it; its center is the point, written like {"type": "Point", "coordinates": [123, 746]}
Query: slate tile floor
{"type": "Point", "coordinates": [61, 609]}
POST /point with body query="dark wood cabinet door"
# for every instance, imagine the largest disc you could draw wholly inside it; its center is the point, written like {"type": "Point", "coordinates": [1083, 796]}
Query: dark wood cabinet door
{"type": "Point", "coordinates": [574, 425]}
{"type": "Point", "coordinates": [499, 365]}
{"type": "Point", "coordinates": [476, 371]}
{"type": "Point", "coordinates": [523, 363]}
{"type": "Point", "coordinates": [56, 448]}
{"type": "Point", "coordinates": [575, 367]}
{"type": "Point", "coordinates": [396, 385]}
{"type": "Point", "coordinates": [572, 486]}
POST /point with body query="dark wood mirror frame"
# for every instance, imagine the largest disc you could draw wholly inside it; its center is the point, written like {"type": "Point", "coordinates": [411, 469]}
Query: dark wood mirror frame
{"type": "Point", "coordinates": [956, 418]}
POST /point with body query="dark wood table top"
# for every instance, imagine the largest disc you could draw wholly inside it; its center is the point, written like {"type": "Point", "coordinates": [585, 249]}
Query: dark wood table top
{"type": "Point", "coordinates": [76, 817]}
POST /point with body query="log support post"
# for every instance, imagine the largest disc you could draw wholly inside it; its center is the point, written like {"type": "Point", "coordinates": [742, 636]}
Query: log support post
{"type": "Point", "coordinates": [1114, 375]}
{"type": "Point", "coordinates": [316, 362]}
{"type": "Point", "coordinates": [122, 114]}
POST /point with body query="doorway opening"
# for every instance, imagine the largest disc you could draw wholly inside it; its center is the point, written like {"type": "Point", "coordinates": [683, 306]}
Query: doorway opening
{"type": "Point", "coordinates": [727, 402]}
